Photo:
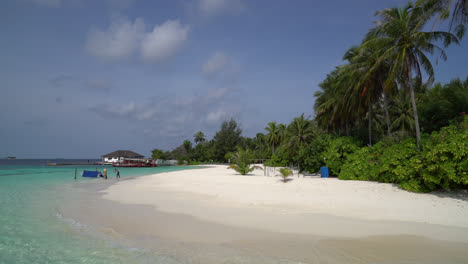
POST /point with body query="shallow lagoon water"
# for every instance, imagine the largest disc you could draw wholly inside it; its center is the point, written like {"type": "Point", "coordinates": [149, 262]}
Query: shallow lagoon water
{"type": "Point", "coordinates": [32, 229]}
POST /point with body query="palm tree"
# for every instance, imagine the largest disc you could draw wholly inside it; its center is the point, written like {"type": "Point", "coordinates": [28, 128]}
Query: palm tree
{"type": "Point", "coordinates": [372, 88]}
{"type": "Point", "coordinates": [442, 9]}
{"type": "Point", "coordinates": [332, 103]}
{"type": "Point", "coordinates": [299, 132]}
{"type": "Point", "coordinates": [282, 132]}
{"type": "Point", "coordinates": [241, 161]}
{"type": "Point", "coordinates": [399, 38]}
{"type": "Point", "coordinates": [404, 121]}
{"type": "Point", "coordinates": [199, 137]}
{"type": "Point", "coordinates": [273, 136]}
{"type": "Point", "coordinates": [259, 142]}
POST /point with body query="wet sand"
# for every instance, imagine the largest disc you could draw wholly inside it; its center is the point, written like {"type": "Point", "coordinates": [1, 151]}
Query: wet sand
{"type": "Point", "coordinates": [285, 237]}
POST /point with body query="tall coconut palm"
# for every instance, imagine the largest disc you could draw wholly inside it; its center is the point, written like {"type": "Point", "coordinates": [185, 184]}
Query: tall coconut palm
{"type": "Point", "coordinates": [282, 132]}
{"type": "Point", "coordinates": [404, 121]}
{"type": "Point", "coordinates": [372, 88]}
{"type": "Point", "coordinates": [259, 142]}
{"type": "Point", "coordinates": [199, 137]}
{"type": "Point", "coordinates": [273, 136]}
{"type": "Point", "coordinates": [299, 132]}
{"type": "Point", "coordinates": [444, 9]}
{"type": "Point", "coordinates": [332, 104]}
{"type": "Point", "coordinates": [369, 90]}
{"type": "Point", "coordinates": [399, 38]}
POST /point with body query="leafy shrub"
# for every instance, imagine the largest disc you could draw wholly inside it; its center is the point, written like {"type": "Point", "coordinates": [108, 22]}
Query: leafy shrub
{"type": "Point", "coordinates": [446, 158]}
{"type": "Point", "coordinates": [285, 172]}
{"type": "Point", "coordinates": [443, 163]}
{"type": "Point", "coordinates": [280, 158]}
{"type": "Point", "coordinates": [337, 152]}
{"type": "Point", "coordinates": [310, 156]}
{"type": "Point", "coordinates": [359, 165]}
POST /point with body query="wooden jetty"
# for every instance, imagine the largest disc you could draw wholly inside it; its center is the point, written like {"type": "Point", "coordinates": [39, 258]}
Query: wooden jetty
{"type": "Point", "coordinates": [71, 164]}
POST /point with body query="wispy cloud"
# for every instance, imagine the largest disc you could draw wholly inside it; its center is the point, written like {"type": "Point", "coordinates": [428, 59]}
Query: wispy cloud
{"type": "Point", "coordinates": [172, 116]}
{"type": "Point", "coordinates": [120, 4]}
{"type": "Point", "coordinates": [47, 3]}
{"type": "Point", "coordinates": [215, 64]}
{"type": "Point", "coordinates": [212, 8]}
{"type": "Point", "coordinates": [73, 82]}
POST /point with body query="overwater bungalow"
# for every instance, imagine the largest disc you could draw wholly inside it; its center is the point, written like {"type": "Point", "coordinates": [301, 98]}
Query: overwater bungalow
{"type": "Point", "coordinates": [120, 156]}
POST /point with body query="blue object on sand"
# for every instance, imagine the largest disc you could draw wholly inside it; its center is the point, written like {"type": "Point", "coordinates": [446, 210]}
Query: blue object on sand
{"type": "Point", "coordinates": [324, 172]}
{"type": "Point", "coordinates": [93, 174]}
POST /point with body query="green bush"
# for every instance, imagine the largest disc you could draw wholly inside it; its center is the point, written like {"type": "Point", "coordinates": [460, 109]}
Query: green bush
{"type": "Point", "coordinates": [310, 156]}
{"type": "Point", "coordinates": [446, 158]}
{"type": "Point", "coordinates": [359, 165]}
{"type": "Point", "coordinates": [443, 163]}
{"type": "Point", "coordinates": [280, 158]}
{"type": "Point", "coordinates": [195, 162]}
{"type": "Point", "coordinates": [337, 152]}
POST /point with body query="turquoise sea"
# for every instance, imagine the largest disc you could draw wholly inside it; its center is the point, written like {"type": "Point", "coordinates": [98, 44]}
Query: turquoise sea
{"type": "Point", "coordinates": [31, 227]}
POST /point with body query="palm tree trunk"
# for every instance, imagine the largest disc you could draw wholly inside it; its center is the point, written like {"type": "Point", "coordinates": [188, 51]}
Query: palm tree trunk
{"type": "Point", "coordinates": [370, 124]}
{"type": "Point", "coordinates": [387, 116]}
{"type": "Point", "coordinates": [273, 148]}
{"type": "Point", "coordinates": [347, 128]}
{"type": "Point", "coordinates": [415, 112]}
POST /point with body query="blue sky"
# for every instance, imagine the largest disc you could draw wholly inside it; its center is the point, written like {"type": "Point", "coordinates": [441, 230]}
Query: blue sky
{"type": "Point", "coordinates": [82, 78]}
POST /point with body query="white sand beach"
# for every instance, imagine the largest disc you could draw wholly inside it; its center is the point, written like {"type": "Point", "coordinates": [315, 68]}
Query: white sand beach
{"type": "Point", "coordinates": [214, 215]}
{"type": "Point", "coordinates": [303, 205]}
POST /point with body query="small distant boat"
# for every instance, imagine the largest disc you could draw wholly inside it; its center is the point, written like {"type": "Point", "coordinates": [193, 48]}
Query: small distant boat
{"type": "Point", "coordinates": [10, 158]}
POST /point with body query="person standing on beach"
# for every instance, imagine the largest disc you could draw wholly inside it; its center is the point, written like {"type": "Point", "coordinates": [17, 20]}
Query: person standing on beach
{"type": "Point", "coordinates": [118, 173]}
{"type": "Point", "coordinates": [105, 173]}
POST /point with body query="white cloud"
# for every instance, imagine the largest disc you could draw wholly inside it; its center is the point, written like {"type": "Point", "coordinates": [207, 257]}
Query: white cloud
{"type": "Point", "coordinates": [123, 38]}
{"type": "Point", "coordinates": [216, 116]}
{"type": "Point", "coordinates": [215, 64]}
{"type": "Point", "coordinates": [119, 41]}
{"type": "Point", "coordinates": [164, 41]}
{"type": "Point", "coordinates": [48, 3]}
{"type": "Point", "coordinates": [210, 8]}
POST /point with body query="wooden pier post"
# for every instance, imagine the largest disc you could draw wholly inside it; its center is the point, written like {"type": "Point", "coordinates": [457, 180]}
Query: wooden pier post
{"type": "Point", "coordinates": [75, 174]}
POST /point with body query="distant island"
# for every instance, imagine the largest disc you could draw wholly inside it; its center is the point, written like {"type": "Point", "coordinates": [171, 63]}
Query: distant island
{"type": "Point", "coordinates": [10, 158]}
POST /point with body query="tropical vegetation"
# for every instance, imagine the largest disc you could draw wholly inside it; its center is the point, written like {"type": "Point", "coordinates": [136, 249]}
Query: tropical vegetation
{"type": "Point", "coordinates": [380, 116]}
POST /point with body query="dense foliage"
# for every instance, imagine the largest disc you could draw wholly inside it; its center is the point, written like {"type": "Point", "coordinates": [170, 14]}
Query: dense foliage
{"type": "Point", "coordinates": [443, 162]}
{"type": "Point", "coordinates": [337, 153]}
{"type": "Point", "coordinates": [442, 105]}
